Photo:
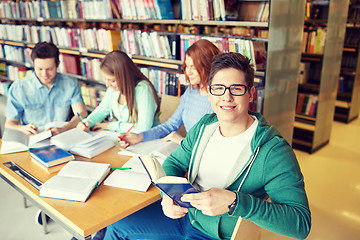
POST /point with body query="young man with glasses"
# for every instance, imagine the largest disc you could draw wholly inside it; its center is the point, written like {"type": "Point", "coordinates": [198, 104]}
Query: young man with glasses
{"type": "Point", "coordinates": [235, 160]}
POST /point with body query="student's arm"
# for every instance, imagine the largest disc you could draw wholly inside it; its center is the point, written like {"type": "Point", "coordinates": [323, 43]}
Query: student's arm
{"type": "Point", "coordinates": [101, 111]}
{"type": "Point", "coordinates": [171, 125]}
{"type": "Point", "coordinates": [28, 129]}
{"type": "Point", "coordinates": [146, 108]}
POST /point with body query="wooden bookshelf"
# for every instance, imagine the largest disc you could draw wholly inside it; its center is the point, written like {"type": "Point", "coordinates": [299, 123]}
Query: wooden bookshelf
{"type": "Point", "coordinates": [348, 97]}
{"type": "Point", "coordinates": [313, 132]}
{"type": "Point", "coordinates": [282, 39]}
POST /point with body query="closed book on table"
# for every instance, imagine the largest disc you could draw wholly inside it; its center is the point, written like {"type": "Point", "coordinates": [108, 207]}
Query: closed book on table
{"type": "Point", "coordinates": [51, 155]}
{"type": "Point", "coordinates": [49, 170]}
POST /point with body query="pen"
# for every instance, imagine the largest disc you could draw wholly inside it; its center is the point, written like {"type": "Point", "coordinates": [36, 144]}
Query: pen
{"type": "Point", "coordinates": [79, 116]}
{"type": "Point", "coordinates": [121, 168]}
{"type": "Point", "coordinates": [122, 137]}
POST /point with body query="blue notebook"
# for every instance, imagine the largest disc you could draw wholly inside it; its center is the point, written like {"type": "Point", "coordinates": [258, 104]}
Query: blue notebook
{"type": "Point", "coordinates": [50, 155]}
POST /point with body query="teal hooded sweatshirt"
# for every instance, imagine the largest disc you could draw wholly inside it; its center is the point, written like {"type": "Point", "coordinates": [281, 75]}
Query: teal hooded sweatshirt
{"type": "Point", "coordinates": [272, 170]}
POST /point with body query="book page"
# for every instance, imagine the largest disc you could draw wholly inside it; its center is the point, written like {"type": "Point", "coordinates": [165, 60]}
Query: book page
{"type": "Point", "coordinates": [109, 134]}
{"type": "Point", "coordinates": [146, 148]}
{"type": "Point", "coordinates": [82, 169]}
{"type": "Point", "coordinates": [16, 136]}
{"type": "Point", "coordinates": [128, 179]}
{"type": "Point", "coordinates": [68, 188]}
{"type": "Point", "coordinates": [153, 167]}
{"type": "Point", "coordinates": [33, 139]}
{"type": "Point", "coordinates": [70, 138]}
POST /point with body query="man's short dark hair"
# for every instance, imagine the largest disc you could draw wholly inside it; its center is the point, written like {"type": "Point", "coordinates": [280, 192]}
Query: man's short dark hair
{"type": "Point", "coordinates": [45, 50]}
{"type": "Point", "coordinates": [232, 60]}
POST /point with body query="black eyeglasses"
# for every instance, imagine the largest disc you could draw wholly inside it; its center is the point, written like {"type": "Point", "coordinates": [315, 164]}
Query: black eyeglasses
{"type": "Point", "coordinates": [235, 89]}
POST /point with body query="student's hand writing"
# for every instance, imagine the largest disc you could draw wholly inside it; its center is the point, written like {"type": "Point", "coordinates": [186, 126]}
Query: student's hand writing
{"type": "Point", "coordinates": [172, 210]}
{"type": "Point", "coordinates": [174, 137]}
{"type": "Point", "coordinates": [127, 139]}
{"type": "Point", "coordinates": [29, 129]}
{"type": "Point", "coordinates": [85, 126]}
{"type": "Point", "coordinates": [212, 202]}
{"type": "Point", "coordinates": [100, 126]}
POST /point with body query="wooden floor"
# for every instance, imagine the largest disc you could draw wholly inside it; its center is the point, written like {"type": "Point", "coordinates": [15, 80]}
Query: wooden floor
{"type": "Point", "coordinates": [332, 178]}
{"type": "Point", "coordinates": [332, 181]}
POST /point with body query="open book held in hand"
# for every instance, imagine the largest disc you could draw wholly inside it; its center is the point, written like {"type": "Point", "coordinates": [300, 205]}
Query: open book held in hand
{"type": "Point", "coordinates": [82, 143]}
{"type": "Point", "coordinates": [17, 141]}
{"type": "Point", "coordinates": [173, 186]}
{"type": "Point", "coordinates": [75, 181]}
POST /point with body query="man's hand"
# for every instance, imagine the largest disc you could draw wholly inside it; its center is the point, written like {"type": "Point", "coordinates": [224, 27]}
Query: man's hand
{"type": "Point", "coordinates": [174, 137]}
{"type": "Point", "coordinates": [56, 131]}
{"type": "Point", "coordinates": [28, 129]}
{"type": "Point", "coordinates": [127, 139]}
{"type": "Point", "coordinates": [212, 202]}
{"type": "Point", "coordinates": [172, 210]}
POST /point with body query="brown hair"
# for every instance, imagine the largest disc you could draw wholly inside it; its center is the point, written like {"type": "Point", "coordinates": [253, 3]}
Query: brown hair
{"type": "Point", "coordinates": [127, 76]}
{"type": "Point", "coordinates": [202, 53]}
{"type": "Point", "coordinates": [45, 50]}
{"type": "Point", "coordinates": [233, 60]}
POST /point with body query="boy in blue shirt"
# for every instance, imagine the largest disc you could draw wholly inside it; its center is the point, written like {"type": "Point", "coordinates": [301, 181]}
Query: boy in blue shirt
{"type": "Point", "coordinates": [44, 96]}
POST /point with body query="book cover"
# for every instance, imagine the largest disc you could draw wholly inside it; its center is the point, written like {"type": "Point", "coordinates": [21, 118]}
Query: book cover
{"type": "Point", "coordinates": [50, 155]}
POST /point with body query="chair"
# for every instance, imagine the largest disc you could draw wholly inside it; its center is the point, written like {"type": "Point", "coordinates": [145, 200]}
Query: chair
{"type": "Point", "coordinates": [168, 106]}
{"type": "Point", "coordinates": [246, 230]}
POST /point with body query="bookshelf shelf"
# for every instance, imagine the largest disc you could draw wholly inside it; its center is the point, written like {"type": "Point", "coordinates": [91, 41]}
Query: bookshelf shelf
{"type": "Point", "coordinates": [147, 21]}
{"type": "Point", "coordinates": [313, 132]}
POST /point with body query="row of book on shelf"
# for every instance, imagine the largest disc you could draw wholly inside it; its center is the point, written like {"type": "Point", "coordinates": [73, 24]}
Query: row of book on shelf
{"type": "Point", "coordinates": [218, 10]}
{"type": "Point", "coordinates": [154, 44]}
{"type": "Point", "coordinates": [134, 42]}
{"type": "Point", "coordinates": [345, 84]}
{"type": "Point", "coordinates": [85, 39]}
{"type": "Point", "coordinates": [307, 104]}
{"type": "Point", "coordinates": [314, 41]}
{"type": "Point", "coordinates": [349, 60]}
{"type": "Point", "coordinates": [352, 36]}
{"type": "Point", "coordinates": [88, 9]}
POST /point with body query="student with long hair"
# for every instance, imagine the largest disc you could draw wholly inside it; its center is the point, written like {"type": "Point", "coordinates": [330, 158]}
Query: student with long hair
{"type": "Point", "coordinates": [194, 102]}
{"type": "Point", "coordinates": [130, 99]}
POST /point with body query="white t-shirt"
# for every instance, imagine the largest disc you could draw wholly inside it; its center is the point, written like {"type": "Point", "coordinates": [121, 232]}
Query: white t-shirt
{"type": "Point", "coordinates": [223, 158]}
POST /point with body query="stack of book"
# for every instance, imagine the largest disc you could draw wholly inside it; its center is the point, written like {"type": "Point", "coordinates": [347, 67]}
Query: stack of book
{"type": "Point", "coordinates": [50, 158]}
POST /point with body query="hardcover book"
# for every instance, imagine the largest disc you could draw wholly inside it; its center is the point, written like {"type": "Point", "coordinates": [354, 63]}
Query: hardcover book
{"type": "Point", "coordinates": [50, 155]}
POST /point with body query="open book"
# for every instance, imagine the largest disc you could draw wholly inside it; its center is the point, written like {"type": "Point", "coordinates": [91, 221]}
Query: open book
{"type": "Point", "coordinates": [158, 148]}
{"type": "Point", "coordinates": [173, 186]}
{"type": "Point", "coordinates": [75, 181]}
{"type": "Point", "coordinates": [17, 141]}
{"type": "Point", "coordinates": [149, 171]}
{"type": "Point", "coordinates": [82, 143]}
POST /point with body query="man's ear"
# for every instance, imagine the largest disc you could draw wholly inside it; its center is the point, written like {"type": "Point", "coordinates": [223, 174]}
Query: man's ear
{"type": "Point", "coordinates": [251, 93]}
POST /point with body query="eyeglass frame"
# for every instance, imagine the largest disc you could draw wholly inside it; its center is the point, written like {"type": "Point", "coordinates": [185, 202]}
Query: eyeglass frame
{"type": "Point", "coordinates": [247, 88]}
